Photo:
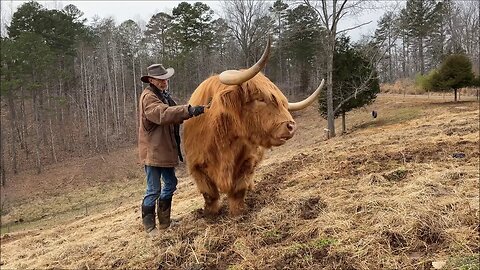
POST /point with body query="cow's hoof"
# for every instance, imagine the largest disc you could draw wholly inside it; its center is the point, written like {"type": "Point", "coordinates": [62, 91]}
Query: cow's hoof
{"type": "Point", "coordinates": [212, 209]}
{"type": "Point", "coordinates": [207, 212]}
{"type": "Point", "coordinates": [237, 211]}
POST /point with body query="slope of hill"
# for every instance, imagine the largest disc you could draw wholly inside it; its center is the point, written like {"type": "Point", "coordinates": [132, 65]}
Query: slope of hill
{"type": "Point", "coordinates": [397, 192]}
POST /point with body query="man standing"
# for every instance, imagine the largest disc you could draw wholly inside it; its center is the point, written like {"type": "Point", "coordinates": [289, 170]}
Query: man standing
{"type": "Point", "coordinates": [159, 143]}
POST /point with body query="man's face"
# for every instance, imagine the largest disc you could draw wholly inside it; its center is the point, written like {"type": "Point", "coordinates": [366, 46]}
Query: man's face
{"type": "Point", "coordinates": [160, 84]}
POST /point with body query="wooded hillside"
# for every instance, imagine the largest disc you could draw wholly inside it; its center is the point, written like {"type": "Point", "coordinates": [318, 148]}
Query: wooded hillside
{"type": "Point", "coordinates": [69, 87]}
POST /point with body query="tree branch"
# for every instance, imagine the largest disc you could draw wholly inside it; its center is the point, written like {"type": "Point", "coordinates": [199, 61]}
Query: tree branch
{"type": "Point", "coordinates": [325, 14]}
{"type": "Point", "coordinates": [354, 27]}
{"type": "Point", "coordinates": [339, 16]}
{"type": "Point", "coordinates": [363, 86]}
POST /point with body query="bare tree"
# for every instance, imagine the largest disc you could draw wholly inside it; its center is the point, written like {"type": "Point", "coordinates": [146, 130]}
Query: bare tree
{"type": "Point", "coordinates": [249, 22]}
{"type": "Point", "coordinates": [6, 10]}
{"type": "Point", "coordinates": [330, 13]}
{"type": "Point", "coordinates": [466, 24]}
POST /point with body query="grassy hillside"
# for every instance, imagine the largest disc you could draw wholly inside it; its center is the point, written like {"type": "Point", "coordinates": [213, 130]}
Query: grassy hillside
{"type": "Point", "coordinates": [397, 192]}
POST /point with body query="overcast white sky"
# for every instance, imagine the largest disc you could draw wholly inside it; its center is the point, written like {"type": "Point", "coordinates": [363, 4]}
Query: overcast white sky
{"type": "Point", "coordinates": [143, 10]}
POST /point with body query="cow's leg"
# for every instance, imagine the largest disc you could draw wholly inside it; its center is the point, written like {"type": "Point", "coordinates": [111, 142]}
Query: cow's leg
{"type": "Point", "coordinates": [212, 204]}
{"type": "Point", "coordinates": [236, 202]}
{"type": "Point", "coordinates": [244, 182]}
{"type": "Point", "coordinates": [209, 191]}
{"type": "Point", "coordinates": [236, 198]}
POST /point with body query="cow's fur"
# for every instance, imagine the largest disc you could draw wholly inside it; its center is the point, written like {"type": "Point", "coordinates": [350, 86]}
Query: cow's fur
{"type": "Point", "coordinates": [224, 145]}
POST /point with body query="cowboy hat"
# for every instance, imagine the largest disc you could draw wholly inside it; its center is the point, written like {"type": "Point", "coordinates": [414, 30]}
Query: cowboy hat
{"type": "Point", "coordinates": [157, 71]}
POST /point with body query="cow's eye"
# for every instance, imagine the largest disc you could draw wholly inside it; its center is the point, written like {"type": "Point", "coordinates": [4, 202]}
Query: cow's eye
{"type": "Point", "coordinates": [274, 100]}
{"type": "Point", "coordinates": [260, 102]}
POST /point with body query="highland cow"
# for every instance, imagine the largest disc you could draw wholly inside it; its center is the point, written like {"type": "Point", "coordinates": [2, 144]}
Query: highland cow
{"type": "Point", "coordinates": [248, 114]}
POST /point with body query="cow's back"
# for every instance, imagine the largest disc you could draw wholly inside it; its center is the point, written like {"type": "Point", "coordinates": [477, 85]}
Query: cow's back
{"type": "Point", "coordinates": [206, 90]}
{"type": "Point", "coordinates": [198, 132]}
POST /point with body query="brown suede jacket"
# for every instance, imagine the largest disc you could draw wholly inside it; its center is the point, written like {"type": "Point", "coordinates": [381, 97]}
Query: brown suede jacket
{"type": "Point", "coordinates": [156, 139]}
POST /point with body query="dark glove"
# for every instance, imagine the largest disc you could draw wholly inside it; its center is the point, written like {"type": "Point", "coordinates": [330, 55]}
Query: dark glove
{"type": "Point", "coordinates": [196, 110]}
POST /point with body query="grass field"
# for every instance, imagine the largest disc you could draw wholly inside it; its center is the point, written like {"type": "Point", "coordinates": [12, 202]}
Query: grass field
{"type": "Point", "coordinates": [397, 192]}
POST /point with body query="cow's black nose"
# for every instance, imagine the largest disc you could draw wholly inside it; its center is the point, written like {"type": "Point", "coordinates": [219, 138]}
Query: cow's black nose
{"type": "Point", "coordinates": [291, 126]}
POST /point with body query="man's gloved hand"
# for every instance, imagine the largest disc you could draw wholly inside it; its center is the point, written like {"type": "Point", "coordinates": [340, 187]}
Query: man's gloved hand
{"type": "Point", "coordinates": [196, 110]}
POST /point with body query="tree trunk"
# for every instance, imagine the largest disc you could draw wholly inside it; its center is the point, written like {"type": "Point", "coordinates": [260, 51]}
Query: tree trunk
{"type": "Point", "coordinates": [330, 115]}
{"type": "Point", "coordinates": [2, 161]}
{"type": "Point", "coordinates": [88, 99]}
{"type": "Point", "coordinates": [13, 123]}
{"type": "Point", "coordinates": [23, 130]}
{"type": "Point", "coordinates": [106, 123]}
{"type": "Point", "coordinates": [52, 139]}
{"type": "Point", "coordinates": [280, 49]}
{"type": "Point", "coordinates": [421, 56]}
{"type": "Point", "coordinates": [405, 57]}
{"type": "Point", "coordinates": [54, 154]}
{"type": "Point", "coordinates": [135, 92]}
{"type": "Point", "coordinates": [41, 117]}
{"type": "Point", "coordinates": [116, 94]}
{"type": "Point", "coordinates": [83, 78]}
{"type": "Point", "coordinates": [124, 91]}
{"type": "Point", "coordinates": [16, 129]}
{"type": "Point", "coordinates": [344, 125]}
{"type": "Point", "coordinates": [455, 94]}
{"type": "Point", "coordinates": [109, 101]}
{"type": "Point", "coordinates": [96, 113]}
{"type": "Point", "coordinates": [63, 119]}
{"type": "Point", "coordinates": [37, 134]}
{"type": "Point", "coordinates": [390, 68]}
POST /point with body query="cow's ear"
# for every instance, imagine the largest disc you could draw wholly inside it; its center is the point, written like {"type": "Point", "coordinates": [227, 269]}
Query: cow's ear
{"type": "Point", "coordinates": [232, 99]}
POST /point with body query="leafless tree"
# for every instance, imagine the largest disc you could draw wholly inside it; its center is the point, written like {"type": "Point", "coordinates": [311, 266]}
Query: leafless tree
{"type": "Point", "coordinates": [330, 13]}
{"type": "Point", "coordinates": [250, 23]}
{"type": "Point", "coordinates": [465, 22]}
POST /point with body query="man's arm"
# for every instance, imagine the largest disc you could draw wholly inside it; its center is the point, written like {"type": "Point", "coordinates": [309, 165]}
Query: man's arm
{"type": "Point", "coordinates": [161, 114]}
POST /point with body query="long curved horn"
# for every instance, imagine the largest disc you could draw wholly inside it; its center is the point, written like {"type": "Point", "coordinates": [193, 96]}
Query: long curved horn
{"type": "Point", "coordinates": [304, 103]}
{"type": "Point", "coordinates": [236, 77]}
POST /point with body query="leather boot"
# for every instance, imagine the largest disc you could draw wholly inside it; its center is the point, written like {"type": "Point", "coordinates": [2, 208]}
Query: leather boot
{"type": "Point", "coordinates": [148, 217]}
{"type": "Point", "coordinates": [163, 212]}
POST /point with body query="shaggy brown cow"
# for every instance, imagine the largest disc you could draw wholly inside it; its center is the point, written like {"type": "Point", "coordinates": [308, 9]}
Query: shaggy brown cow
{"type": "Point", "coordinates": [248, 114]}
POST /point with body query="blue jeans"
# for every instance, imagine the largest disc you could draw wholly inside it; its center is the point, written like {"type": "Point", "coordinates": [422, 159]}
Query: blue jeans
{"type": "Point", "coordinates": [155, 189]}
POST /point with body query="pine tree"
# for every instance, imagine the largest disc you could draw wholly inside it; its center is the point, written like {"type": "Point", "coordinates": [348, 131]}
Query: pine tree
{"type": "Point", "coordinates": [192, 28]}
{"type": "Point", "coordinates": [192, 25]}
{"type": "Point", "coordinates": [303, 36]}
{"type": "Point", "coordinates": [419, 18]}
{"type": "Point", "coordinates": [159, 37]}
{"type": "Point", "coordinates": [385, 36]}
{"type": "Point", "coordinates": [279, 11]}
{"type": "Point", "coordinates": [454, 73]}
{"type": "Point", "coordinates": [355, 82]}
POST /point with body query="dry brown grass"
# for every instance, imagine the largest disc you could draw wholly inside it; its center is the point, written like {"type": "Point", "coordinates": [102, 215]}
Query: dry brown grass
{"type": "Point", "coordinates": [387, 195]}
{"type": "Point", "coordinates": [407, 87]}
{"type": "Point", "coordinates": [401, 86]}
